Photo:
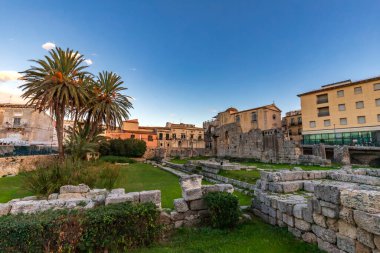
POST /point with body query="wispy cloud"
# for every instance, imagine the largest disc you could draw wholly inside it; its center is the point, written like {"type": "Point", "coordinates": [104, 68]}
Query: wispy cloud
{"type": "Point", "coordinates": [11, 75]}
{"type": "Point", "coordinates": [132, 69]}
{"type": "Point", "coordinates": [88, 61]}
{"type": "Point", "coordinates": [48, 46]}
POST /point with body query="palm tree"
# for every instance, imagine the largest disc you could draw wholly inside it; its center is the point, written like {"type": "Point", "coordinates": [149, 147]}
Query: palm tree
{"type": "Point", "coordinates": [56, 85]}
{"type": "Point", "coordinates": [107, 105]}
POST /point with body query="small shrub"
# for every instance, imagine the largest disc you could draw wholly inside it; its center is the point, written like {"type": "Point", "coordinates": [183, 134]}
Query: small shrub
{"type": "Point", "coordinates": [127, 148]}
{"type": "Point", "coordinates": [107, 177]}
{"type": "Point", "coordinates": [112, 228]}
{"type": "Point", "coordinates": [224, 209]}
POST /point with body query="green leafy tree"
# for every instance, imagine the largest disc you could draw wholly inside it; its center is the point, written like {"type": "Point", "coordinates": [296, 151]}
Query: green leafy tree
{"type": "Point", "coordinates": [57, 84]}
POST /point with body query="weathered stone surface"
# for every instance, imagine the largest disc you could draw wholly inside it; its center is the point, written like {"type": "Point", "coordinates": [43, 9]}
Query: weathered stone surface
{"type": "Point", "coordinates": [118, 198]}
{"type": "Point", "coordinates": [347, 215]}
{"type": "Point", "coordinates": [347, 229]}
{"type": "Point", "coordinates": [176, 216]}
{"type": "Point", "coordinates": [5, 209]}
{"type": "Point", "coordinates": [323, 233]}
{"type": "Point", "coordinates": [192, 194]}
{"type": "Point", "coordinates": [320, 220]}
{"type": "Point", "coordinates": [191, 182]}
{"type": "Point", "coordinates": [209, 188]}
{"type": "Point", "coordinates": [376, 240]}
{"type": "Point", "coordinates": [365, 237]}
{"type": "Point", "coordinates": [309, 237]}
{"type": "Point", "coordinates": [345, 243]}
{"type": "Point", "coordinates": [191, 215]}
{"type": "Point", "coordinates": [225, 188]}
{"type": "Point", "coordinates": [326, 246]}
{"type": "Point", "coordinates": [82, 188]}
{"type": "Point", "coordinates": [296, 232]}
{"type": "Point", "coordinates": [292, 186]}
{"type": "Point", "coordinates": [361, 248]}
{"type": "Point", "coordinates": [369, 222]}
{"type": "Point", "coordinates": [180, 205]}
{"type": "Point", "coordinates": [364, 200]}
{"type": "Point", "coordinates": [288, 219]}
{"type": "Point", "coordinates": [331, 213]}
{"type": "Point", "coordinates": [118, 191]}
{"type": "Point", "coordinates": [29, 206]}
{"type": "Point", "coordinates": [302, 225]}
{"type": "Point", "coordinates": [178, 224]}
{"type": "Point", "coordinates": [164, 218]}
{"type": "Point", "coordinates": [151, 196]}
{"type": "Point", "coordinates": [198, 204]}
{"type": "Point", "coordinates": [332, 224]}
{"type": "Point", "coordinates": [70, 196]}
{"type": "Point", "coordinates": [53, 196]}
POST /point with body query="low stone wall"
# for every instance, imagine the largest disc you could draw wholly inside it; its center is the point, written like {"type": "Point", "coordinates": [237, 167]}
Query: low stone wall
{"type": "Point", "coordinates": [14, 164]}
{"type": "Point", "coordinates": [338, 210]}
{"type": "Point", "coordinates": [190, 210]}
{"type": "Point", "coordinates": [211, 176]}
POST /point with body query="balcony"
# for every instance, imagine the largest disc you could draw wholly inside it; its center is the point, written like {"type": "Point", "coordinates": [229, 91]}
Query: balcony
{"type": "Point", "coordinates": [22, 125]}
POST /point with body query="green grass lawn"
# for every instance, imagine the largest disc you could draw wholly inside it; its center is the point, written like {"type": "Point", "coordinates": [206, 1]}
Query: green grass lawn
{"type": "Point", "coordinates": [255, 237]}
{"type": "Point", "coordinates": [10, 188]}
{"type": "Point", "coordinates": [133, 177]}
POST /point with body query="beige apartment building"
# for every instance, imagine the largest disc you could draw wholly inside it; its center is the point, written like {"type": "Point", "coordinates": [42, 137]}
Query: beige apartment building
{"type": "Point", "coordinates": [343, 113]}
{"type": "Point", "coordinates": [292, 126]}
{"type": "Point", "coordinates": [22, 125]}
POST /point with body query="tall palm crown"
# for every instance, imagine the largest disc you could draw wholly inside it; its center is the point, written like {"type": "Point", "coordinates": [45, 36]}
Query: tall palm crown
{"type": "Point", "coordinates": [56, 84]}
{"type": "Point", "coordinates": [108, 105]}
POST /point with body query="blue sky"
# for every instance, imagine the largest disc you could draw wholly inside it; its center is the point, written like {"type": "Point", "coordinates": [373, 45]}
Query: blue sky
{"type": "Point", "coordinates": [183, 61]}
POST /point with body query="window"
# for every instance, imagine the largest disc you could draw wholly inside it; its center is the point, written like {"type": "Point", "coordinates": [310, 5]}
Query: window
{"type": "Point", "coordinates": [343, 121]}
{"type": "Point", "coordinates": [377, 102]}
{"type": "Point", "coordinates": [167, 136]}
{"type": "Point", "coordinates": [274, 116]}
{"type": "Point", "coordinates": [292, 121]}
{"type": "Point", "coordinates": [376, 86]}
{"type": "Point", "coordinates": [16, 121]}
{"type": "Point", "coordinates": [254, 117]}
{"type": "Point", "coordinates": [323, 98]}
{"type": "Point", "coordinates": [199, 137]}
{"type": "Point", "coordinates": [340, 93]}
{"type": "Point", "coordinates": [323, 111]}
{"type": "Point", "coordinates": [191, 136]}
{"type": "Point", "coordinates": [378, 117]}
{"type": "Point", "coordinates": [174, 136]}
{"type": "Point", "coordinates": [299, 120]}
{"type": "Point", "coordinates": [160, 136]}
{"type": "Point", "coordinates": [183, 136]}
{"type": "Point", "coordinates": [132, 136]}
{"type": "Point", "coordinates": [358, 90]}
{"type": "Point", "coordinates": [341, 107]}
{"type": "Point", "coordinates": [312, 124]}
{"type": "Point", "coordinates": [237, 118]}
{"type": "Point", "coordinates": [359, 105]}
{"type": "Point", "coordinates": [361, 119]}
{"type": "Point", "coordinates": [327, 123]}
{"type": "Point", "coordinates": [150, 138]}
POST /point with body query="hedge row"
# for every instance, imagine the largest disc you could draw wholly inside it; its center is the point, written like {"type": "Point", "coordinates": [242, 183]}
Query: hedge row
{"type": "Point", "coordinates": [112, 228]}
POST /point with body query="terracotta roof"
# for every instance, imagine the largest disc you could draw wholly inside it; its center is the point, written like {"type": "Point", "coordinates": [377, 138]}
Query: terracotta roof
{"type": "Point", "coordinates": [345, 83]}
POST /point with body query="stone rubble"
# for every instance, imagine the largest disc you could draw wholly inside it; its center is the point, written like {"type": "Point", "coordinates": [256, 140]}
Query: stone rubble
{"type": "Point", "coordinates": [339, 210]}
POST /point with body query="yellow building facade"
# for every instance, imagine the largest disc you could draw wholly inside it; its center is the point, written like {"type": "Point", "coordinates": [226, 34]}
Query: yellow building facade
{"type": "Point", "coordinates": [292, 126]}
{"type": "Point", "coordinates": [343, 113]}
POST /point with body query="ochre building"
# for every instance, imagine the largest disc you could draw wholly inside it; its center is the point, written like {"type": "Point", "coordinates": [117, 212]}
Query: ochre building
{"type": "Point", "coordinates": [292, 126]}
{"type": "Point", "coordinates": [343, 113]}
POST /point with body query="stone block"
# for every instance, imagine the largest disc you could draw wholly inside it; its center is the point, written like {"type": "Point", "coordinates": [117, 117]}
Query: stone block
{"type": "Point", "coordinates": [302, 225]}
{"type": "Point", "coordinates": [290, 175]}
{"type": "Point", "coordinates": [332, 224]}
{"type": "Point", "coordinates": [225, 188]}
{"type": "Point", "coordinates": [327, 193]}
{"type": "Point", "coordinates": [53, 196]}
{"type": "Point", "coordinates": [191, 215]}
{"type": "Point", "coordinates": [296, 232]}
{"type": "Point", "coordinates": [316, 206]}
{"type": "Point", "coordinates": [30, 206]}
{"type": "Point", "coordinates": [191, 182]}
{"type": "Point", "coordinates": [347, 215]}
{"type": "Point", "coordinates": [320, 220]}
{"type": "Point", "coordinates": [367, 221]}
{"type": "Point", "coordinates": [153, 196]}
{"type": "Point", "coordinates": [289, 220]}
{"type": "Point", "coordinates": [345, 243]}
{"type": "Point", "coordinates": [165, 219]}
{"type": "Point", "coordinates": [209, 188]}
{"type": "Point", "coordinates": [118, 191]}
{"type": "Point", "coordinates": [365, 237]}
{"type": "Point", "coordinates": [289, 187]}
{"type": "Point", "coordinates": [81, 188]}
{"type": "Point", "coordinates": [307, 214]}
{"type": "Point", "coordinates": [376, 240]}
{"type": "Point", "coordinates": [364, 200]}
{"type": "Point", "coordinates": [347, 229]}
{"type": "Point", "coordinates": [192, 194]}
{"type": "Point", "coordinates": [180, 205]}
{"type": "Point", "coordinates": [118, 198]}
{"type": "Point", "coordinates": [297, 210]}
{"type": "Point", "coordinates": [198, 204]}
{"type": "Point", "coordinates": [272, 220]}
{"type": "Point", "coordinates": [178, 224]}
{"type": "Point", "coordinates": [308, 175]}
{"type": "Point", "coordinates": [325, 234]}
{"type": "Point", "coordinates": [5, 209]}
{"type": "Point", "coordinates": [331, 213]}
{"type": "Point", "coordinates": [309, 186]}
{"type": "Point", "coordinates": [70, 196]}
{"type": "Point", "coordinates": [326, 246]}
{"type": "Point", "coordinates": [309, 237]}
{"type": "Point", "coordinates": [275, 187]}
{"type": "Point", "coordinates": [361, 248]}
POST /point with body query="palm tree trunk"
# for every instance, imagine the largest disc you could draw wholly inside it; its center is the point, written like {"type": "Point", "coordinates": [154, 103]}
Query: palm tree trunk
{"type": "Point", "coordinates": [60, 115]}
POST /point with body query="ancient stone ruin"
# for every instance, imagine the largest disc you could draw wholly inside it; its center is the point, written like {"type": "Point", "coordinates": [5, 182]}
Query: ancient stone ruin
{"type": "Point", "coordinates": [338, 210]}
